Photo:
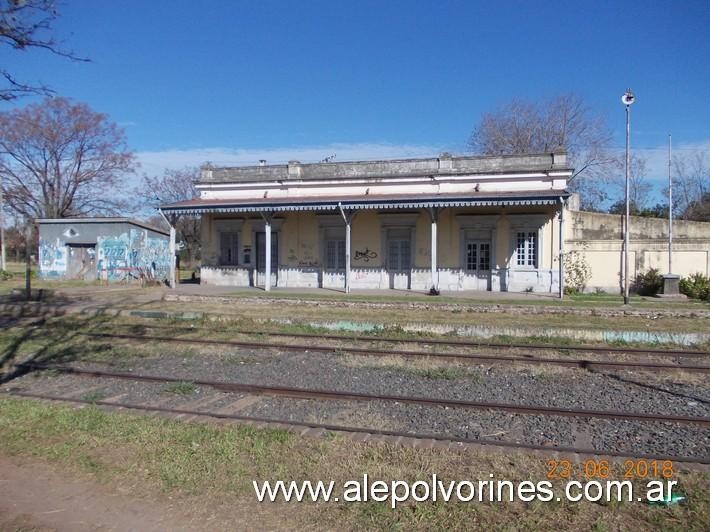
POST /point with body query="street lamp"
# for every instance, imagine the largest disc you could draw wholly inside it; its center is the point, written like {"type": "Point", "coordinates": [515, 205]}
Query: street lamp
{"type": "Point", "coordinates": [627, 99]}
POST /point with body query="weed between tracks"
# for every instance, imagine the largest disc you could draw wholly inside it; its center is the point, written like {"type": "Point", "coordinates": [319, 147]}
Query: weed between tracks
{"type": "Point", "coordinates": [427, 367]}
{"type": "Point", "coordinates": [94, 396]}
{"type": "Point", "coordinates": [210, 468]}
{"type": "Point", "coordinates": [179, 388]}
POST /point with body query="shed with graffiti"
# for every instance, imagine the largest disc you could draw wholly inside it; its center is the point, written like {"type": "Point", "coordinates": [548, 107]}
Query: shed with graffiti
{"type": "Point", "coordinates": [110, 249]}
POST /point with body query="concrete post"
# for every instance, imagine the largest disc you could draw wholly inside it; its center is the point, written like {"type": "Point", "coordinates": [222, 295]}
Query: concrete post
{"type": "Point", "coordinates": [172, 257]}
{"type": "Point", "coordinates": [3, 263]}
{"type": "Point", "coordinates": [562, 249]}
{"type": "Point", "coordinates": [28, 260]}
{"type": "Point", "coordinates": [267, 254]}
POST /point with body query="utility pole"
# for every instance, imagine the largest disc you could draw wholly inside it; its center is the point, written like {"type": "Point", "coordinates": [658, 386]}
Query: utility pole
{"type": "Point", "coordinates": [3, 262]}
{"type": "Point", "coordinates": [28, 260]}
{"type": "Point", "coordinates": [627, 99]}
{"type": "Point", "coordinates": [670, 210]}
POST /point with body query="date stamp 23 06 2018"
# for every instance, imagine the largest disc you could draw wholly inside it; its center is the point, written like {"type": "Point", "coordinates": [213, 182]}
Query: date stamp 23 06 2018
{"type": "Point", "coordinates": [601, 469]}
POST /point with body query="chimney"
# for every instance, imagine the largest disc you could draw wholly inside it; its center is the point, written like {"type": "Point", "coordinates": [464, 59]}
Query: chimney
{"type": "Point", "coordinates": [262, 162]}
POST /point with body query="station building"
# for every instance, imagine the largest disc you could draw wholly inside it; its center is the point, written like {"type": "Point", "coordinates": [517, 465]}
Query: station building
{"type": "Point", "coordinates": [444, 223]}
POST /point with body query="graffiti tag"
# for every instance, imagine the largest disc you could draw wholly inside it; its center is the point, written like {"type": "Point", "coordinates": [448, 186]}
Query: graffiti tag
{"type": "Point", "coordinates": [366, 255]}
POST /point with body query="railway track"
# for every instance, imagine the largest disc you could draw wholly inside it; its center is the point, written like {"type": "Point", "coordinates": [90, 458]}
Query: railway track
{"type": "Point", "coordinates": [467, 357]}
{"type": "Point", "coordinates": [687, 364]}
{"type": "Point", "coordinates": [397, 435]}
{"type": "Point", "coordinates": [305, 393]}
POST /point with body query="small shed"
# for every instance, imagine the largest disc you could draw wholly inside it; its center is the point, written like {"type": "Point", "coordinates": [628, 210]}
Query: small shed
{"type": "Point", "coordinates": [110, 249]}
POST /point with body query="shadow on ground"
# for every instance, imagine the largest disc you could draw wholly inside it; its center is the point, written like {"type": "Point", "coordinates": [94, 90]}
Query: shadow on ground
{"type": "Point", "coordinates": [44, 335]}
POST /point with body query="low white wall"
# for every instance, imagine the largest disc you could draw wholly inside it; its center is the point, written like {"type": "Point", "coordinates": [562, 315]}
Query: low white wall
{"type": "Point", "coordinates": [224, 276]}
{"type": "Point", "coordinates": [450, 279]}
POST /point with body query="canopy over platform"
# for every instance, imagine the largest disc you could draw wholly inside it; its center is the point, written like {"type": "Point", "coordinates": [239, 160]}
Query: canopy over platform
{"type": "Point", "coordinates": [413, 201]}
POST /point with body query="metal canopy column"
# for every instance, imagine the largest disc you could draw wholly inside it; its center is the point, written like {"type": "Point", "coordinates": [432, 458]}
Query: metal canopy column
{"type": "Point", "coordinates": [347, 218]}
{"type": "Point", "coordinates": [267, 216]}
{"type": "Point", "coordinates": [434, 213]}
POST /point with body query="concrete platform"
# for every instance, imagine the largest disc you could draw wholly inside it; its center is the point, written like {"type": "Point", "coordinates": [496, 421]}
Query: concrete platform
{"type": "Point", "coordinates": [211, 290]}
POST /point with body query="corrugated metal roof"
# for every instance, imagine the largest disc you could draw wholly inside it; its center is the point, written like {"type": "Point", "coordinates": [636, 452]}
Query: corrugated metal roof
{"type": "Point", "coordinates": [201, 206]}
{"type": "Point", "coordinates": [101, 220]}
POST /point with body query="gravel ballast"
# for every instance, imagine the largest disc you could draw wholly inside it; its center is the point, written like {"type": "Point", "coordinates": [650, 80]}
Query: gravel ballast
{"type": "Point", "coordinates": [668, 394]}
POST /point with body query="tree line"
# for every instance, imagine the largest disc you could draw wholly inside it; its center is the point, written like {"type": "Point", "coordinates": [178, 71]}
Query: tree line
{"type": "Point", "coordinates": [60, 158]}
{"type": "Point", "coordinates": [566, 122]}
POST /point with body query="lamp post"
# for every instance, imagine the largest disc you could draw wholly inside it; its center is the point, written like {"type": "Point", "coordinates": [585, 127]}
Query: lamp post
{"type": "Point", "coordinates": [627, 99]}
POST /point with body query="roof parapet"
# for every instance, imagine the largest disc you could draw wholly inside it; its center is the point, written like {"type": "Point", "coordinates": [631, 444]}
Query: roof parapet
{"type": "Point", "coordinates": [444, 164]}
{"type": "Point", "coordinates": [294, 169]}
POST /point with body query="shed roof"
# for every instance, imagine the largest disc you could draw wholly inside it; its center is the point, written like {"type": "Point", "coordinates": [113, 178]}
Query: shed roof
{"type": "Point", "coordinates": [102, 220]}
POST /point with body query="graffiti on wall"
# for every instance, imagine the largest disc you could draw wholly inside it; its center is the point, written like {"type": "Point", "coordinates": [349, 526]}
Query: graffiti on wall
{"type": "Point", "coordinates": [153, 258]}
{"type": "Point", "coordinates": [112, 262]}
{"type": "Point", "coordinates": [133, 255]}
{"type": "Point", "coordinates": [52, 258]}
{"type": "Point", "coordinates": [366, 255]}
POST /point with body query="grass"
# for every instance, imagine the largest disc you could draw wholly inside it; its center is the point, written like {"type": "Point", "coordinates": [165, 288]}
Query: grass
{"type": "Point", "coordinates": [179, 388]}
{"type": "Point", "coordinates": [387, 319]}
{"type": "Point", "coordinates": [576, 300]}
{"type": "Point", "coordinates": [61, 340]}
{"type": "Point", "coordinates": [428, 368]}
{"type": "Point", "coordinates": [94, 396]}
{"type": "Point", "coordinates": [210, 468]}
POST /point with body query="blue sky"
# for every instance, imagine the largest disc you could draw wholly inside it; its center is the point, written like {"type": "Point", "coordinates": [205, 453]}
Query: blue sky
{"type": "Point", "coordinates": [236, 81]}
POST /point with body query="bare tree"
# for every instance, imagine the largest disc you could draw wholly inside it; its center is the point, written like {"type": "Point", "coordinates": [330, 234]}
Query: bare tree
{"type": "Point", "coordinates": [26, 25]}
{"type": "Point", "coordinates": [691, 186]}
{"type": "Point", "coordinates": [174, 186]}
{"type": "Point", "coordinates": [639, 187]}
{"type": "Point", "coordinates": [564, 122]}
{"type": "Point", "coordinates": [59, 158]}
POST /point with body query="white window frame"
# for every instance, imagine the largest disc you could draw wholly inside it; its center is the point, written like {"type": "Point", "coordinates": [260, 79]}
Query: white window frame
{"type": "Point", "coordinates": [533, 223]}
{"type": "Point", "coordinates": [529, 242]}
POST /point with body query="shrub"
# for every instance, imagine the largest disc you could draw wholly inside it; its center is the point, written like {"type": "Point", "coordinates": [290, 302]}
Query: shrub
{"type": "Point", "coordinates": [5, 275]}
{"type": "Point", "coordinates": [696, 286]}
{"type": "Point", "coordinates": [577, 272]}
{"type": "Point", "coordinates": [649, 283]}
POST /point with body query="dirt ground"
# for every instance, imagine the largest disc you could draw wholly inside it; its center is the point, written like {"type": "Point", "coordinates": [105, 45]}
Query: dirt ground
{"type": "Point", "coordinates": [40, 497]}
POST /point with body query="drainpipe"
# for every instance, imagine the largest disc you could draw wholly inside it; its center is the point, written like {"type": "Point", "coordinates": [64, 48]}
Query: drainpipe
{"type": "Point", "coordinates": [562, 248]}
{"type": "Point", "coordinates": [171, 277]}
{"type": "Point", "coordinates": [347, 248]}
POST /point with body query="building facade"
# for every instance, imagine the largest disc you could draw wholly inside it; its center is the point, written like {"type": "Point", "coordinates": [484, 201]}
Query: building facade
{"type": "Point", "coordinates": [445, 223]}
{"type": "Point", "coordinates": [111, 249]}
